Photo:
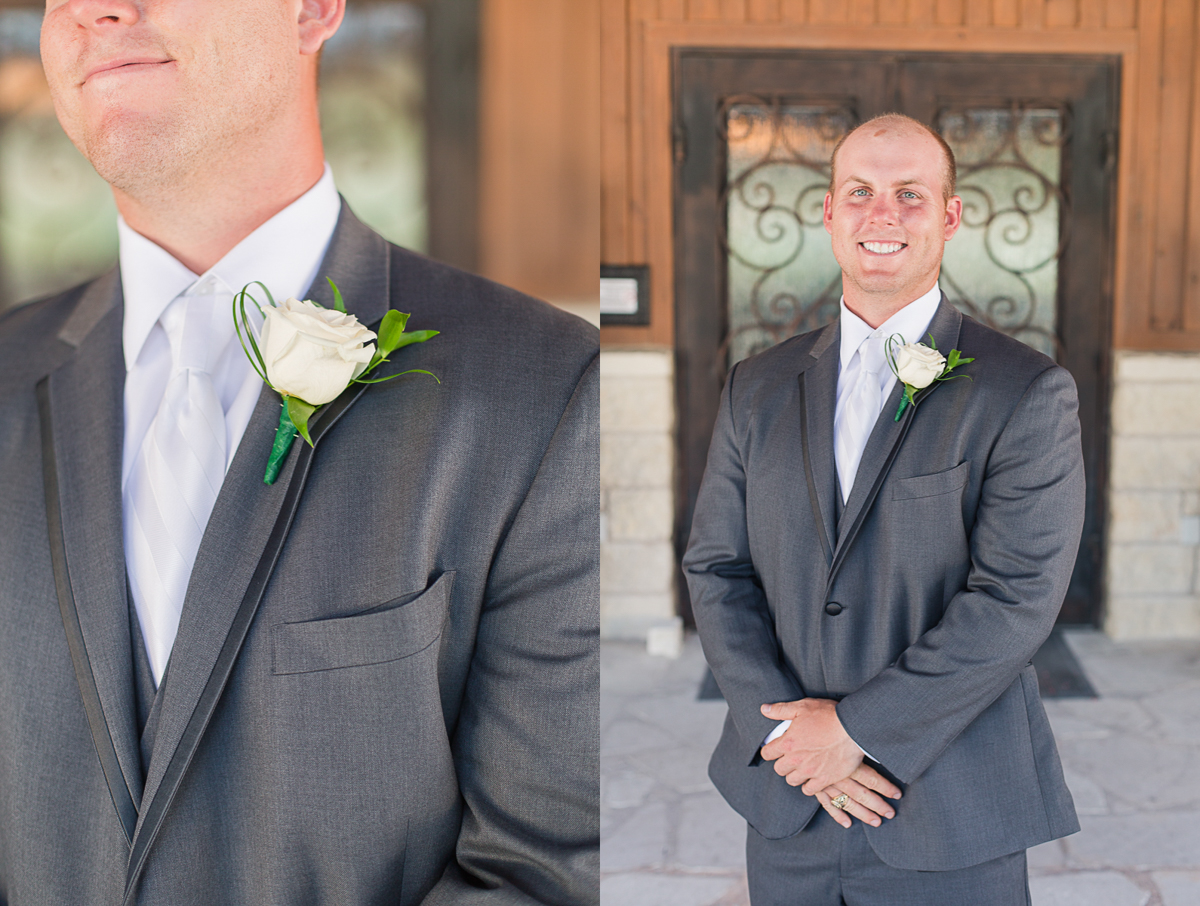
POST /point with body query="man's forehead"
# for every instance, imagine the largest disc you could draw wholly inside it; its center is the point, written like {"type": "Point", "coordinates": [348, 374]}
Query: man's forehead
{"type": "Point", "coordinates": [891, 142]}
{"type": "Point", "coordinates": [891, 132]}
{"type": "Point", "coordinates": [912, 150]}
{"type": "Point", "coordinates": [895, 183]}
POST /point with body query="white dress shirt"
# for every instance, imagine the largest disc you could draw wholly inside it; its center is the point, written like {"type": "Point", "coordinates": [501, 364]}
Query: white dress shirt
{"type": "Point", "coordinates": [911, 323]}
{"type": "Point", "coordinates": [284, 253]}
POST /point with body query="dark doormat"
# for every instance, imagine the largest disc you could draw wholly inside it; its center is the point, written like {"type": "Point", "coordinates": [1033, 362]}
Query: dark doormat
{"type": "Point", "coordinates": [709, 690]}
{"type": "Point", "coordinates": [1059, 673]}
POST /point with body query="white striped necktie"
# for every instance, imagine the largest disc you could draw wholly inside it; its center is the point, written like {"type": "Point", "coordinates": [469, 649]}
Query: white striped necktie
{"type": "Point", "coordinates": [855, 422]}
{"type": "Point", "coordinates": [179, 469]}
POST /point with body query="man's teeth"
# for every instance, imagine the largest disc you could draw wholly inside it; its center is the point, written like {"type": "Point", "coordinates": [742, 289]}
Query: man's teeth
{"type": "Point", "coordinates": [883, 248]}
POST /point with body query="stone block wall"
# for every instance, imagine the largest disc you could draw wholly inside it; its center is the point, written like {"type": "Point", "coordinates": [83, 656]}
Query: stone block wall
{"type": "Point", "coordinates": [1152, 577]}
{"type": "Point", "coordinates": [637, 508]}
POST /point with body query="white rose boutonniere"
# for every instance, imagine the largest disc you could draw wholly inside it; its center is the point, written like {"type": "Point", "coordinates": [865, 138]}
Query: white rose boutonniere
{"type": "Point", "coordinates": [309, 354]}
{"type": "Point", "coordinates": [313, 352]}
{"type": "Point", "coordinates": [917, 366]}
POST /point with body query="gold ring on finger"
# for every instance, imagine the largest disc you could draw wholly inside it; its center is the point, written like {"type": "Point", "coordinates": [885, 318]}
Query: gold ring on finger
{"type": "Point", "coordinates": [840, 801]}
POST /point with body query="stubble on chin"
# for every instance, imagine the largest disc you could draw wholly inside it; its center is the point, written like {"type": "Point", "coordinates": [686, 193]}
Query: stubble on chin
{"type": "Point", "coordinates": [135, 160]}
{"type": "Point", "coordinates": [151, 157]}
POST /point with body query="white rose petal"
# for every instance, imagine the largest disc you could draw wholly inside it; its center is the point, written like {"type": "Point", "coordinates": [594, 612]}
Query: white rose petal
{"type": "Point", "coordinates": [918, 365]}
{"type": "Point", "coordinates": [313, 352]}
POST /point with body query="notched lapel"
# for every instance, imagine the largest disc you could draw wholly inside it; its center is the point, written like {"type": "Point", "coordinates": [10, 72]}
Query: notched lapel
{"type": "Point", "coordinates": [86, 410]}
{"type": "Point", "coordinates": [818, 398]}
{"type": "Point", "coordinates": [888, 434]}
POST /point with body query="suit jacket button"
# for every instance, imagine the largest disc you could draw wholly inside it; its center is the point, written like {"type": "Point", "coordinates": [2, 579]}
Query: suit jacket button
{"type": "Point", "coordinates": [833, 608]}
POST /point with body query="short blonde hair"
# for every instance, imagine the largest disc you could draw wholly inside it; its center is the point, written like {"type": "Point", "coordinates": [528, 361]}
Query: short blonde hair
{"type": "Point", "coordinates": [901, 121]}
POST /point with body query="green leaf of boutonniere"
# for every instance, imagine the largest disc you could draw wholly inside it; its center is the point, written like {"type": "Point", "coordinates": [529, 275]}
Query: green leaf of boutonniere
{"type": "Point", "coordinates": [391, 338]}
{"type": "Point", "coordinates": [300, 412]}
{"type": "Point", "coordinates": [953, 361]}
{"type": "Point", "coordinates": [337, 297]}
{"type": "Point", "coordinates": [417, 336]}
{"type": "Point", "coordinates": [391, 329]}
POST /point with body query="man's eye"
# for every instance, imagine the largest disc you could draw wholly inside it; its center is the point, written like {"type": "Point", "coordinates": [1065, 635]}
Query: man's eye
{"type": "Point", "coordinates": [858, 191]}
{"type": "Point", "coordinates": [909, 195]}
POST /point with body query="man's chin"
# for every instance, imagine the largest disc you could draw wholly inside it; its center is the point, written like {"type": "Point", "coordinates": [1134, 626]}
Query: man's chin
{"type": "Point", "coordinates": [126, 142]}
{"type": "Point", "coordinates": [894, 268]}
{"type": "Point", "coordinates": [892, 287]}
{"type": "Point", "coordinates": [131, 163]}
{"type": "Point", "coordinates": [882, 283]}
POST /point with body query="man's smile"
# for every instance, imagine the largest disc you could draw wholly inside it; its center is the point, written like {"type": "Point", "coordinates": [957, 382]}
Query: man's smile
{"type": "Point", "coordinates": [125, 65]}
{"type": "Point", "coordinates": [883, 248]}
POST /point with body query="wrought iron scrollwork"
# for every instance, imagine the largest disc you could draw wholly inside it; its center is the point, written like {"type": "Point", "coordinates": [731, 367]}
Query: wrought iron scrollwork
{"type": "Point", "coordinates": [1002, 267]}
{"type": "Point", "coordinates": [776, 177]}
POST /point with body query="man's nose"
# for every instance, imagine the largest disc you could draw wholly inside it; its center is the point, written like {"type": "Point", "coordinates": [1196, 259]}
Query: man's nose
{"type": "Point", "coordinates": [103, 14]}
{"type": "Point", "coordinates": [884, 209]}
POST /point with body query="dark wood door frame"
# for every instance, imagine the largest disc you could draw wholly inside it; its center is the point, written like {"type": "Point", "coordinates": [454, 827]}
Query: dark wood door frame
{"type": "Point", "coordinates": [919, 84]}
{"type": "Point", "coordinates": [452, 122]}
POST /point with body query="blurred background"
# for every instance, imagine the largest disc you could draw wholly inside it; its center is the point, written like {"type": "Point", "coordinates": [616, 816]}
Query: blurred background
{"type": "Point", "coordinates": [464, 129]}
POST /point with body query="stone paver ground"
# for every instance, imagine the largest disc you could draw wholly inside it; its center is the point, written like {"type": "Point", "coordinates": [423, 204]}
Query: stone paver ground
{"type": "Point", "coordinates": [1131, 756]}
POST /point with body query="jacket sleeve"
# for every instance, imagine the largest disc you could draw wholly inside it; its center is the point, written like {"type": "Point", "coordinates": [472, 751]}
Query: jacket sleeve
{"type": "Point", "coordinates": [526, 745]}
{"type": "Point", "coordinates": [1022, 548]}
{"type": "Point", "coordinates": [735, 625]}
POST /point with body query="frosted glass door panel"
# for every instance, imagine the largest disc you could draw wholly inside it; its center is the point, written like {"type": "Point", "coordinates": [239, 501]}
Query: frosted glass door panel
{"type": "Point", "coordinates": [783, 278]}
{"type": "Point", "coordinates": [1002, 265]}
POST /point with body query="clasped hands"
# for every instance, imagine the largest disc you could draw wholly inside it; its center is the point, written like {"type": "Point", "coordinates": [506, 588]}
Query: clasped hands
{"type": "Point", "coordinates": [817, 754]}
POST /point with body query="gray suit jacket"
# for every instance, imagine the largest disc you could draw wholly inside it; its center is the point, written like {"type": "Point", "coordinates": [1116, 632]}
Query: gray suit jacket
{"type": "Point", "coordinates": [949, 563]}
{"type": "Point", "coordinates": [408, 713]}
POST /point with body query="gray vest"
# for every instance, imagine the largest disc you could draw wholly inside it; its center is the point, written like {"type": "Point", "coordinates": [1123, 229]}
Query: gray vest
{"type": "Point", "coordinates": [148, 698]}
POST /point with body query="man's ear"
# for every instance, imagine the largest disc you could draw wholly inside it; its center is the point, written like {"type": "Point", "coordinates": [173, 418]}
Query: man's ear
{"type": "Point", "coordinates": [954, 212]}
{"type": "Point", "coordinates": [828, 215]}
{"type": "Point", "coordinates": [318, 20]}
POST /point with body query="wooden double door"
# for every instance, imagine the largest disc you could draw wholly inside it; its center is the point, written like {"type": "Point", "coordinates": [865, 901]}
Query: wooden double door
{"type": "Point", "coordinates": [1035, 141]}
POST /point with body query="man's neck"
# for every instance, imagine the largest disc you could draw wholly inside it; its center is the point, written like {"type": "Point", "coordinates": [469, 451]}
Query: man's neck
{"type": "Point", "coordinates": [876, 308]}
{"type": "Point", "coordinates": [199, 219]}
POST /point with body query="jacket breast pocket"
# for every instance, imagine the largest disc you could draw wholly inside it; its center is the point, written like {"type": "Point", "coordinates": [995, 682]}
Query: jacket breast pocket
{"type": "Point", "coordinates": [932, 485]}
{"type": "Point", "coordinates": [397, 629]}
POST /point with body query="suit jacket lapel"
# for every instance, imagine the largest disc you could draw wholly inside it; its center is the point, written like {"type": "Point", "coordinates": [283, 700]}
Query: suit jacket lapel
{"type": "Point", "coordinates": [86, 406]}
{"type": "Point", "coordinates": [818, 398]}
{"type": "Point", "coordinates": [887, 436]}
{"type": "Point", "coordinates": [243, 518]}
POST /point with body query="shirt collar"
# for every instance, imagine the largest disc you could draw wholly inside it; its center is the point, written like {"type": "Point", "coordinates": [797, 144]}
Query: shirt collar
{"type": "Point", "coordinates": [910, 322]}
{"type": "Point", "coordinates": [284, 253]}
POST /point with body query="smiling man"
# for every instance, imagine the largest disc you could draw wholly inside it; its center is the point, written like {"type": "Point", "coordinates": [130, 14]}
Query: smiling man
{"type": "Point", "coordinates": [871, 577]}
{"type": "Point", "coordinates": [374, 680]}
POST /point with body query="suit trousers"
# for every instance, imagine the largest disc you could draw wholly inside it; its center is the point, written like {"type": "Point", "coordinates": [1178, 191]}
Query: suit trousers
{"type": "Point", "coordinates": [828, 865]}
